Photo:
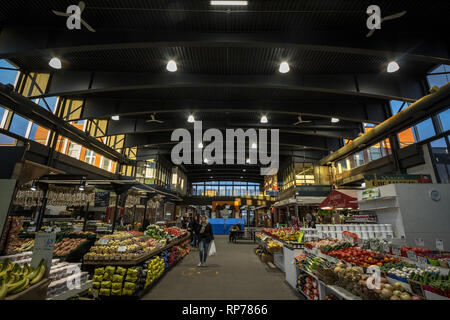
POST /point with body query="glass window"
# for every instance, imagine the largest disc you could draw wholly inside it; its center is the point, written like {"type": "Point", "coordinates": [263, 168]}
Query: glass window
{"type": "Point", "coordinates": [425, 130]}
{"type": "Point", "coordinates": [107, 164]}
{"type": "Point", "coordinates": [6, 140]}
{"type": "Point", "coordinates": [229, 191]}
{"type": "Point", "coordinates": [8, 76]}
{"type": "Point", "coordinates": [440, 155]}
{"type": "Point", "coordinates": [51, 101]}
{"type": "Point", "coordinates": [74, 150]}
{"type": "Point", "coordinates": [222, 191]}
{"type": "Point", "coordinates": [39, 134]}
{"type": "Point", "coordinates": [19, 125]}
{"type": "Point", "coordinates": [444, 118]}
{"type": "Point", "coordinates": [200, 190]}
{"type": "Point", "coordinates": [90, 157]}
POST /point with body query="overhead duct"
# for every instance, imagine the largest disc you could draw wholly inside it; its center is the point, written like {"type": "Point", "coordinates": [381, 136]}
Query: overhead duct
{"type": "Point", "coordinates": [419, 110]}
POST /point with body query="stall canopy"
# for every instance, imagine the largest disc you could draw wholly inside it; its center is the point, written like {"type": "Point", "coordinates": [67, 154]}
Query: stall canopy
{"type": "Point", "coordinates": [340, 199]}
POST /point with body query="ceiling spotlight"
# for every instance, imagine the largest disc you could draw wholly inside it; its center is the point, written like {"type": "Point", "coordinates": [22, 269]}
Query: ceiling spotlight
{"type": "Point", "coordinates": [254, 146]}
{"type": "Point", "coordinates": [172, 66]}
{"type": "Point", "coordinates": [245, 170]}
{"type": "Point", "coordinates": [205, 161]}
{"type": "Point", "coordinates": [229, 3]}
{"type": "Point", "coordinates": [264, 119]}
{"type": "Point", "coordinates": [242, 177]}
{"type": "Point", "coordinates": [209, 170]}
{"type": "Point", "coordinates": [200, 145]}
{"type": "Point", "coordinates": [83, 184]}
{"type": "Point", "coordinates": [115, 118]}
{"type": "Point", "coordinates": [55, 63]}
{"type": "Point", "coordinates": [284, 67]}
{"type": "Point", "coordinates": [248, 161]}
{"type": "Point", "coordinates": [335, 120]}
{"type": "Point", "coordinates": [211, 177]}
{"type": "Point", "coordinates": [191, 119]}
{"type": "Point", "coordinates": [33, 186]}
{"type": "Point", "coordinates": [393, 67]}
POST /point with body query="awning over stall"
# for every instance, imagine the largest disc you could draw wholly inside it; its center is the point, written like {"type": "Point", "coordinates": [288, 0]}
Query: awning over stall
{"type": "Point", "coordinates": [340, 199]}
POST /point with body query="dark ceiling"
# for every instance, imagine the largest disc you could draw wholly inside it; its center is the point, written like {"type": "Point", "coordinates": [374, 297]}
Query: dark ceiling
{"type": "Point", "coordinates": [228, 64]}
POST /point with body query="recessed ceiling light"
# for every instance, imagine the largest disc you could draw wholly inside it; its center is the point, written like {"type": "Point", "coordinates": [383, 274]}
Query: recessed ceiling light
{"type": "Point", "coordinates": [191, 119]}
{"type": "Point", "coordinates": [393, 67]}
{"type": "Point", "coordinates": [33, 186]}
{"type": "Point", "coordinates": [211, 177]}
{"type": "Point", "coordinates": [200, 145]}
{"type": "Point", "coordinates": [242, 177]}
{"type": "Point", "coordinates": [335, 120]}
{"type": "Point", "coordinates": [115, 118]}
{"type": "Point", "coordinates": [245, 170]}
{"type": "Point", "coordinates": [172, 66]}
{"type": "Point", "coordinates": [264, 119]}
{"type": "Point", "coordinates": [55, 63]}
{"type": "Point", "coordinates": [284, 67]}
{"type": "Point", "coordinates": [209, 170]}
{"type": "Point", "coordinates": [229, 3]}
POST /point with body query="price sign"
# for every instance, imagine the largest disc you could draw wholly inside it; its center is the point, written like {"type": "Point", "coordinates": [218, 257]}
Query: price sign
{"type": "Point", "coordinates": [122, 249]}
{"type": "Point", "coordinates": [419, 242]}
{"type": "Point", "coordinates": [31, 229]}
{"type": "Point", "coordinates": [300, 237]}
{"type": "Point", "coordinates": [43, 249]}
{"type": "Point", "coordinates": [48, 229]}
{"type": "Point", "coordinates": [396, 250]}
{"type": "Point", "coordinates": [103, 242]}
{"type": "Point", "coordinates": [388, 236]}
{"type": "Point", "coordinates": [440, 244]}
{"type": "Point", "coordinates": [386, 248]}
{"type": "Point", "coordinates": [416, 288]}
{"type": "Point", "coordinates": [422, 260]}
{"type": "Point", "coordinates": [411, 255]}
{"type": "Point", "coordinates": [57, 230]}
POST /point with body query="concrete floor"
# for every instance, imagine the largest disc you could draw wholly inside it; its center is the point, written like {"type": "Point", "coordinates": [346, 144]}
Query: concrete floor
{"type": "Point", "coordinates": [234, 273]}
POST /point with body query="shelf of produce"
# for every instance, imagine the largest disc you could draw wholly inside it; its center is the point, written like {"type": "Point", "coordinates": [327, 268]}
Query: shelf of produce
{"type": "Point", "coordinates": [72, 293]}
{"type": "Point", "coordinates": [340, 291]}
{"type": "Point", "coordinates": [307, 272]}
{"type": "Point", "coordinates": [136, 261]}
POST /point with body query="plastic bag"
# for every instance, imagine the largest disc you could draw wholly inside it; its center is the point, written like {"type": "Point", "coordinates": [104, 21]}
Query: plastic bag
{"type": "Point", "coordinates": [212, 249]}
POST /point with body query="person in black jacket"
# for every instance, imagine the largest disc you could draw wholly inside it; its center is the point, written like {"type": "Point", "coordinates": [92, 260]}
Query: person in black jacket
{"type": "Point", "coordinates": [192, 228]}
{"type": "Point", "coordinates": [205, 236]}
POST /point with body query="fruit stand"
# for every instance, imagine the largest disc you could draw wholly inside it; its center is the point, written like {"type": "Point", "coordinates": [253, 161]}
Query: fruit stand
{"type": "Point", "coordinates": [126, 265]}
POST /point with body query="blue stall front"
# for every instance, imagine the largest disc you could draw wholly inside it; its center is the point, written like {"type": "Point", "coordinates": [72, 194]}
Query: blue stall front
{"type": "Point", "coordinates": [222, 226]}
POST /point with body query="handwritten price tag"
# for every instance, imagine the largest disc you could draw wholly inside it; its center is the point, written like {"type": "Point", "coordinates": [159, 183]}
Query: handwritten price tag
{"type": "Point", "coordinates": [396, 250]}
{"type": "Point", "coordinates": [411, 255]}
{"type": "Point", "coordinates": [122, 249]}
{"type": "Point", "coordinates": [440, 244]}
{"type": "Point", "coordinates": [103, 242]}
{"type": "Point", "coordinates": [422, 260]}
{"type": "Point", "coordinates": [419, 242]}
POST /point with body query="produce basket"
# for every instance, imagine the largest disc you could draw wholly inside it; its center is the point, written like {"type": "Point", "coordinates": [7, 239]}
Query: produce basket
{"type": "Point", "coordinates": [36, 292]}
{"type": "Point", "coordinates": [275, 249]}
{"type": "Point", "coordinates": [327, 275]}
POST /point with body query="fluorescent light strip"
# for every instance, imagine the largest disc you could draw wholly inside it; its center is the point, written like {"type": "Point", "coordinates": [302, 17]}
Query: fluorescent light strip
{"type": "Point", "coordinates": [229, 3]}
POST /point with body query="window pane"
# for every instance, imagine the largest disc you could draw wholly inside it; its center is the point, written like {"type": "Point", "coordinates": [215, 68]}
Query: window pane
{"type": "Point", "coordinates": [74, 150]}
{"type": "Point", "coordinates": [39, 134]}
{"type": "Point", "coordinates": [437, 80]}
{"type": "Point", "coordinates": [19, 125]}
{"type": "Point", "coordinates": [7, 76]}
{"type": "Point", "coordinates": [5, 140]}
{"type": "Point", "coordinates": [445, 119]}
{"type": "Point", "coordinates": [51, 101]}
{"type": "Point", "coordinates": [425, 130]}
{"type": "Point", "coordinates": [90, 157]}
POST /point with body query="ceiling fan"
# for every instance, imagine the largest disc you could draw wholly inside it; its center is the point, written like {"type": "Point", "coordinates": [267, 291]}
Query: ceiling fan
{"type": "Point", "coordinates": [153, 119]}
{"type": "Point", "coordinates": [81, 6]}
{"type": "Point", "coordinates": [300, 121]}
{"type": "Point", "coordinates": [391, 17]}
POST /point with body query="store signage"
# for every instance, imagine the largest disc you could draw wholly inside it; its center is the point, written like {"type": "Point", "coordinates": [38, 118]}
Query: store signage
{"type": "Point", "coordinates": [376, 180]}
{"type": "Point", "coordinates": [440, 244]}
{"type": "Point", "coordinates": [43, 249]}
{"type": "Point", "coordinates": [102, 199]}
{"type": "Point", "coordinates": [312, 191]}
{"type": "Point", "coordinates": [416, 288]}
{"type": "Point", "coordinates": [419, 242]}
{"type": "Point", "coordinates": [411, 255]}
{"type": "Point", "coordinates": [371, 194]}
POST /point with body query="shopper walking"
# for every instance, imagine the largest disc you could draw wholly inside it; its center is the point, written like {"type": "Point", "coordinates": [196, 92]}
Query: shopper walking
{"type": "Point", "coordinates": [205, 236]}
{"type": "Point", "coordinates": [194, 228]}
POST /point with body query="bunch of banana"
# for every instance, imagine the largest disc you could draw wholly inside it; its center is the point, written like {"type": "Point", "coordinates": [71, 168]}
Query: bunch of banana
{"type": "Point", "coordinates": [15, 279]}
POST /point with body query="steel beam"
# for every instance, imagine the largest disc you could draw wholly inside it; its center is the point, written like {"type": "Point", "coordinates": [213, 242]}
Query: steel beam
{"type": "Point", "coordinates": [379, 86]}
{"type": "Point", "coordinates": [370, 110]}
{"type": "Point", "coordinates": [27, 41]}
